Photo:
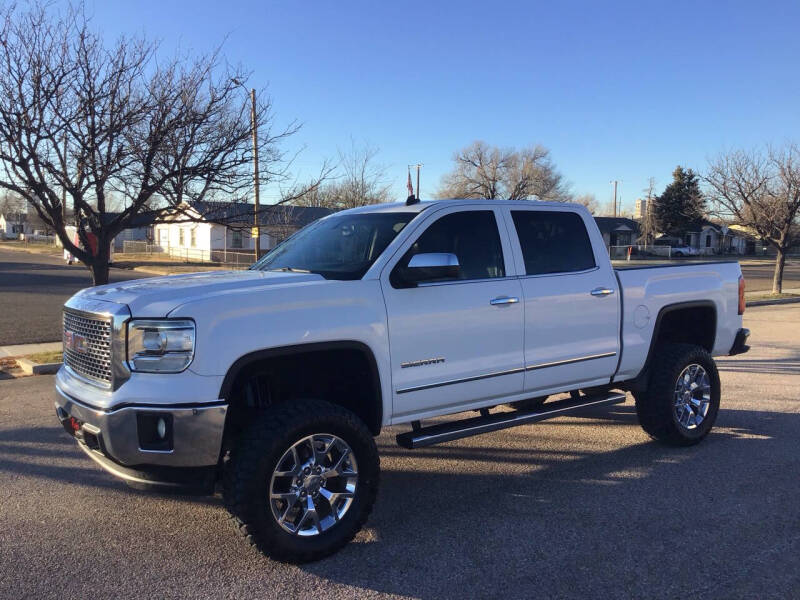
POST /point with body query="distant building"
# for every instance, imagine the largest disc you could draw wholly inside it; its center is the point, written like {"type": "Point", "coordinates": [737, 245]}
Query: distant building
{"type": "Point", "coordinates": [618, 231]}
{"type": "Point", "coordinates": [14, 224]}
{"type": "Point", "coordinates": [640, 209]}
{"type": "Point", "coordinates": [200, 228]}
{"type": "Point", "coordinates": [712, 238]}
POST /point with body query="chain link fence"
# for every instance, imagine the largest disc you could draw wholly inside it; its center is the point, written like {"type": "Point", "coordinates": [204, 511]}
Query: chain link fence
{"type": "Point", "coordinates": [236, 259]}
{"type": "Point", "coordinates": [633, 252]}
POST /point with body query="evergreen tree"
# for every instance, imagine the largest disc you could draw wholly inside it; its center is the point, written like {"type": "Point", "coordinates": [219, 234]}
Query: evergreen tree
{"type": "Point", "coordinates": [682, 204]}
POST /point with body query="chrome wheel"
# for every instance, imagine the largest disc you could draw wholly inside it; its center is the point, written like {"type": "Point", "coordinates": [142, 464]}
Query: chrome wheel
{"type": "Point", "coordinates": [692, 397]}
{"type": "Point", "coordinates": [313, 485]}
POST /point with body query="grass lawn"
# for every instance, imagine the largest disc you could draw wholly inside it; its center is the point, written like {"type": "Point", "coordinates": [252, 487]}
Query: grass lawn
{"type": "Point", "coordinates": [44, 358]}
{"type": "Point", "coordinates": [771, 296]}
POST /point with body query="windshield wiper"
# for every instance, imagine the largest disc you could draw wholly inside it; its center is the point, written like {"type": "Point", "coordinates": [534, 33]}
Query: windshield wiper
{"type": "Point", "coordinates": [290, 270]}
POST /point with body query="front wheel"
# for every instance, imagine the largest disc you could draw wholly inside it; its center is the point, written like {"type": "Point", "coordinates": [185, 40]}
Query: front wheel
{"type": "Point", "coordinates": [682, 398]}
{"type": "Point", "coordinates": [302, 480]}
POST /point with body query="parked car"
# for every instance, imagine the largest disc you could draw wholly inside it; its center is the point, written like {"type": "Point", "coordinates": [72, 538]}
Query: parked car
{"type": "Point", "coordinates": [275, 380]}
{"type": "Point", "coordinates": [678, 248]}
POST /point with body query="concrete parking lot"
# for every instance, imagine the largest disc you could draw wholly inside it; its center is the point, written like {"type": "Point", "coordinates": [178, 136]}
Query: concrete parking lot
{"type": "Point", "coordinates": [582, 506]}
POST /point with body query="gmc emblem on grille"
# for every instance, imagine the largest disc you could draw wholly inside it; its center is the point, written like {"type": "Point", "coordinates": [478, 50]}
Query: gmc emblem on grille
{"type": "Point", "coordinates": [75, 342]}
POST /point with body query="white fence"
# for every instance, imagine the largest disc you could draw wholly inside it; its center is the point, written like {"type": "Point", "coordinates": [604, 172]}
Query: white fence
{"type": "Point", "coordinates": [633, 252]}
{"type": "Point", "coordinates": [233, 258]}
{"type": "Point", "coordinates": [35, 238]}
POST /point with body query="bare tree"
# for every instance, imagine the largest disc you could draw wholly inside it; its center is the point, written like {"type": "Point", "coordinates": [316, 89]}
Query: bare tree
{"type": "Point", "coordinates": [761, 191]}
{"type": "Point", "coordinates": [484, 171]}
{"type": "Point", "coordinates": [647, 226]}
{"type": "Point", "coordinates": [357, 180]}
{"type": "Point", "coordinates": [589, 201]}
{"type": "Point", "coordinates": [11, 203]}
{"type": "Point", "coordinates": [101, 122]}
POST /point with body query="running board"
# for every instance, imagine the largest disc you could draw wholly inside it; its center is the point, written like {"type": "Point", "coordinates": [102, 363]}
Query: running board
{"type": "Point", "coordinates": [447, 432]}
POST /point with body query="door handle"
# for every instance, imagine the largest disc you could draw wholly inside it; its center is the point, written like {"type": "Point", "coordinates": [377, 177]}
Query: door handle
{"type": "Point", "coordinates": [601, 291]}
{"type": "Point", "coordinates": [503, 300]}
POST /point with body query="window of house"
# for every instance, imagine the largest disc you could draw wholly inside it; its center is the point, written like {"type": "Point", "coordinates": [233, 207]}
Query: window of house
{"type": "Point", "coordinates": [193, 238]}
{"type": "Point", "coordinates": [236, 239]}
{"type": "Point", "coordinates": [553, 242]}
{"type": "Point", "coordinates": [181, 237]}
{"type": "Point", "coordinates": [471, 235]}
{"type": "Point", "coordinates": [708, 241]}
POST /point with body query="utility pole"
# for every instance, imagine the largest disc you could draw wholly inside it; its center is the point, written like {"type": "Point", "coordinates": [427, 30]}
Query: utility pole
{"type": "Point", "coordinates": [64, 188]}
{"type": "Point", "coordinates": [615, 182]}
{"type": "Point", "coordinates": [417, 166]}
{"type": "Point", "coordinates": [256, 228]}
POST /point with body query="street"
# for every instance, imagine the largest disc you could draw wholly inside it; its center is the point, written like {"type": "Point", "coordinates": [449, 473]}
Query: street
{"type": "Point", "coordinates": [579, 506]}
{"type": "Point", "coordinates": [33, 288]}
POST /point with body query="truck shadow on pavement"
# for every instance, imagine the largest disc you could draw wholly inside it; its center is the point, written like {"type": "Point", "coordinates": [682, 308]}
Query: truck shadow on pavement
{"type": "Point", "coordinates": [575, 521]}
{"type": "Point", "coordinates": [42, 452]}
{"type": "Point", "coordinates": [531, 510]}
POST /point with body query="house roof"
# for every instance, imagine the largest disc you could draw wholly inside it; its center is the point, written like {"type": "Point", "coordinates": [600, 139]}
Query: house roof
{"type": "Point", "coordinates": [609, 224]}
{"type": "Point", "coordinates": [242, 212]}
{"type": "Point", "coordinates": [142, 219]}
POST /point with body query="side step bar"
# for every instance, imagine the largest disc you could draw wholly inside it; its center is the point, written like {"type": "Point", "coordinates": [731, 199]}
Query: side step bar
{"type": "Point", "coordinates": [446, 432]}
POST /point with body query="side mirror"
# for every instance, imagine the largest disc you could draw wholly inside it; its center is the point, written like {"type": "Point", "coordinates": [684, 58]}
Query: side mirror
{"type": "Point", "coordinates": [432, 266]}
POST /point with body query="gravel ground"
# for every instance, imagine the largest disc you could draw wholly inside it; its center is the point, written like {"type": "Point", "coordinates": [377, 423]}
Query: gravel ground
{"type": "Point", "coordinates": [582, 506]}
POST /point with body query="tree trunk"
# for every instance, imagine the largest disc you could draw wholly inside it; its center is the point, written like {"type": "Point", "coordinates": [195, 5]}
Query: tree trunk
{"type": "Point", "coordinates": [777, 279]}
{"type": "Point", "coordinates": [99, 272]}
{"type": "Point", "coordinates": [99, 266]}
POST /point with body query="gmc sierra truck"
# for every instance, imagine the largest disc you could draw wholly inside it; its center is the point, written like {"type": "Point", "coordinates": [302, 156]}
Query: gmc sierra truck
{"type": "Point", "coordinates": [271, 383]}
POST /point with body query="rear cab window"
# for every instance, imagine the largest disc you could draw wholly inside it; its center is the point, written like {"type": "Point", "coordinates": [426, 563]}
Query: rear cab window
{"type": "Point", "coordinates": [553, 241]}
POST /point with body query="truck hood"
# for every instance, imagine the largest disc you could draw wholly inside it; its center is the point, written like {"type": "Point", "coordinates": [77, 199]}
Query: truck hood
{"type": "Point", "coordinates": [157, 296]}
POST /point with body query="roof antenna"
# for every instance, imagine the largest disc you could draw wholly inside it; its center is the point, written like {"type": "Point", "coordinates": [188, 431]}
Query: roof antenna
{"type": "Point", "coordinates": [412, 199]}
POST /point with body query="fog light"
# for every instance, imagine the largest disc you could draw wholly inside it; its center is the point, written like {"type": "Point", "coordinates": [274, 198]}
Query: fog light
{"type": "Point", "coordinates": [155, 431]}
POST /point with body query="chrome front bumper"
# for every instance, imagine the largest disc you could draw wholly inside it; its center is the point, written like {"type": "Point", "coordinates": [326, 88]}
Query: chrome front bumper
{"type": "Point", "coordinates": [114, 435]}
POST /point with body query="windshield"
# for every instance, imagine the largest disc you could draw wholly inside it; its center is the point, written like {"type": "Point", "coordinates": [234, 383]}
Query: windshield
{"type": "Point", "coordinates": [338, 247]}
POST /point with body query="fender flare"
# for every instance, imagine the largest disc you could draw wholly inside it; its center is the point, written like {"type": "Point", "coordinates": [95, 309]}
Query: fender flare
{"type": "Point", "coordinates": [641, 378]}
{"type": "Point", "coordinates": [258, 355]}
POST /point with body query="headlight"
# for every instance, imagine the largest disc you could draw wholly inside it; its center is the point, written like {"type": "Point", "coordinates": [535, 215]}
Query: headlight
{"type": "Point", "coordinates": [160, 345]}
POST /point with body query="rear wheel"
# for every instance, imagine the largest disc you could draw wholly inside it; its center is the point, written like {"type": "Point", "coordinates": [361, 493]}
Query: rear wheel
{"type": "Point", "coordinates": [302, 480]}
{"type": "Point", "coordinates": [682, 398]}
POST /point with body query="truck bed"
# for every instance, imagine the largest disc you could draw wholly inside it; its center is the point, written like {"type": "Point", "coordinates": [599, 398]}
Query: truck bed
{"type": "Point", "coordinates": [646, 290]}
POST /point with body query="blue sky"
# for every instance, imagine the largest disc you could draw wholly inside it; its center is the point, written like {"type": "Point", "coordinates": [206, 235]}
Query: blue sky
{"type": "Point", "coordinates": [616, 90]}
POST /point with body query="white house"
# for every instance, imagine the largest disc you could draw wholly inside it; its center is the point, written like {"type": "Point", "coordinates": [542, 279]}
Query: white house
{"type": "Point", "coordinates": [710, 238]}
{"type": "Point", "coordinates": [140, 229]}
{"type": "Point", "coordinates": [200, 230]}
{"type": "Point", "coordinates": [14, 224]}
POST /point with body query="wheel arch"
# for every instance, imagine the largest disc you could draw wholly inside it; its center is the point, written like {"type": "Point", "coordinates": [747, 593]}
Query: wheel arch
{"type": "Point", "coordinates": [372, 414]}
{"type": "Point", "coordinates": [700, 312]}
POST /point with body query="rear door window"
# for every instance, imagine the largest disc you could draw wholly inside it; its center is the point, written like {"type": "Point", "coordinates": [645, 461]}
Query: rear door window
{"type": "Point", "coordinates": [553, 242]}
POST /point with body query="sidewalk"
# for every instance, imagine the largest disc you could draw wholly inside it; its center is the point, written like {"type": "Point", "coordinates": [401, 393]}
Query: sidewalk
{"type": "Point", "coordinates": [26, 349]}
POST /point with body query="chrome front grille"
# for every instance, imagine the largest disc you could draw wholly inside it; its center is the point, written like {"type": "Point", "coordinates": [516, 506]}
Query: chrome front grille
{"type": "Point", "coordinates": [87, 345]}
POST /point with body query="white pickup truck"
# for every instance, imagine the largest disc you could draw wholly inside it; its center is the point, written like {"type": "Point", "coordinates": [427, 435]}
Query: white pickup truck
{"type": "Point", "coordinates": [275, 380]}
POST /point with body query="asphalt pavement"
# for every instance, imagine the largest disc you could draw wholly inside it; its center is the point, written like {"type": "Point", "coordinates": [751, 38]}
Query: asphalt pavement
{"type": "Point", "coordinates": [582, 506]}
{"type": "Point", "coordinates": [33, 288]}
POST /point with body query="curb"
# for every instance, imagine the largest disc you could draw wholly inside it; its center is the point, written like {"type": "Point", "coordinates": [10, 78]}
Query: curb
{"type": "Point", "coordinates": [31, 368]}
{"type": "Point", "coordinates": [770, 302]}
